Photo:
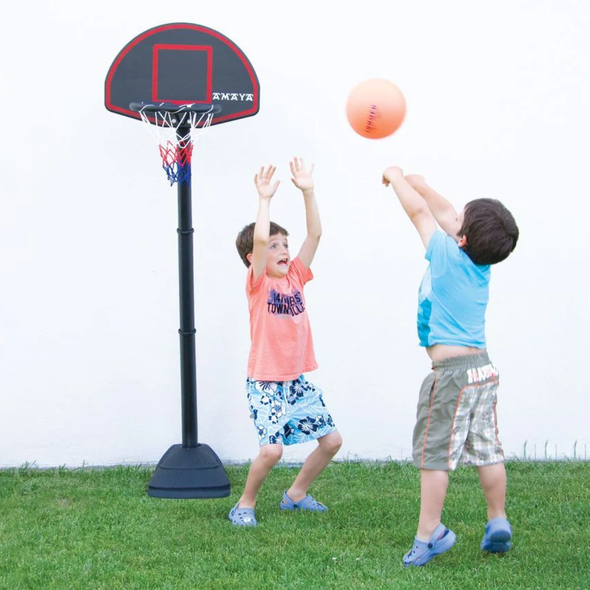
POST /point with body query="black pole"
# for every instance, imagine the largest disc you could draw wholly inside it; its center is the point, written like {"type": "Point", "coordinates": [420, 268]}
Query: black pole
{"type": "Point", "coordinates": [190, 470]}
{"type": "Point", "coordinates": [188, 365]}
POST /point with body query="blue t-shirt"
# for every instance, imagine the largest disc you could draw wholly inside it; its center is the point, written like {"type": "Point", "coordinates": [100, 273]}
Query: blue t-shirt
{"type": "Point", "coordinates": [453, 296]}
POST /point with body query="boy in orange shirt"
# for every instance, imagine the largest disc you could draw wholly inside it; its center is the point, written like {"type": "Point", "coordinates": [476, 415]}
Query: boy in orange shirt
{"type": "Point", "coordinates": [286, 408]}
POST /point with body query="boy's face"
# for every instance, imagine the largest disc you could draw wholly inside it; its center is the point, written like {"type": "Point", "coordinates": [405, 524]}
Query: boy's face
{"type": "Point", "coordinates": [460, 219]}
{"type": "Point", "coordinates": [278, 257]}
{"type": "Point", "coordinates": [462, 240]}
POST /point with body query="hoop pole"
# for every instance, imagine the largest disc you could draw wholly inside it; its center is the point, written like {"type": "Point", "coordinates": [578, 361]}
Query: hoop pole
{"type": "Point", "coordinates": [190, 469]}
{"type": "Point", "coordinates": [187, 331]}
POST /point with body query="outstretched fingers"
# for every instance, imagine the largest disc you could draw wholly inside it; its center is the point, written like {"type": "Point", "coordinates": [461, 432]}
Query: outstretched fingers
{"type": "Point", "coordinates": [265, 175]}
{"type": "Point", "coordinates": [298, 165]}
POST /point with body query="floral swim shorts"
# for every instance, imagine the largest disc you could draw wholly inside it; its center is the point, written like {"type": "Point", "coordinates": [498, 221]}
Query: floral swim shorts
{"type": "Point", "coordinates": [288, 412]}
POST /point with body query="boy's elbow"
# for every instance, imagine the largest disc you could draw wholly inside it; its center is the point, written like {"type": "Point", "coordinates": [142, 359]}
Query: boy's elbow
{"type": "Point", "coordinates": [260, 240]}
{"type": "Point", "coordinates": [418, 214]}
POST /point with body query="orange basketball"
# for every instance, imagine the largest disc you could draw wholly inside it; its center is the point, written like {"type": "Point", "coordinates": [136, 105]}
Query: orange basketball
{"type": "Point", "coordinates": [375, 108]}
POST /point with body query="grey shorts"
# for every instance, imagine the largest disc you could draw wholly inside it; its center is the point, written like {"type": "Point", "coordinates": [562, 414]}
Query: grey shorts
{"type": "Point", "coordinates": [456, 417]}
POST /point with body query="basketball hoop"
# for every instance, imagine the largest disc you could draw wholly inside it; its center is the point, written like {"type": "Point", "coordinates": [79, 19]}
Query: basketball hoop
{"type": "Point", "coordinates": [184, 72]}
{"type": "Point", "coordinates": [175, 128]}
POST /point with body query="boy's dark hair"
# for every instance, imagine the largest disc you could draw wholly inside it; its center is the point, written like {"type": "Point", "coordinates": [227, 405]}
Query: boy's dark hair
{"type": "Point", "coordinates": [245, 239]}
{"type": "Point", "coordinates": [490, 229]}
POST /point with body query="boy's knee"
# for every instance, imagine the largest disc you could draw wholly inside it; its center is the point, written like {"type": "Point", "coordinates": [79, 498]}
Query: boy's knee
{"type": "Point", "coordinates": [331, 442]}
{"type": "Point", "coordinates": [271, 454]}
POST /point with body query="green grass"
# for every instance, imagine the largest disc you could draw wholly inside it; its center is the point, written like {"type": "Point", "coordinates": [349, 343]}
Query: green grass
{"type": "Point", "coordinates": [97, 529]}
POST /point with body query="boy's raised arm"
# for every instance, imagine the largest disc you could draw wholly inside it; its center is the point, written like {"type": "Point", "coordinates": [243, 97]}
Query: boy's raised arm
{"type": "Point", "coordinates": [303, 180]}
{"type": "Point", "coordinates": [412, 202]}
{"type": "Point", "coordinates": [266, 192]}
{"type": "Point", "coordinates": [443, 211]}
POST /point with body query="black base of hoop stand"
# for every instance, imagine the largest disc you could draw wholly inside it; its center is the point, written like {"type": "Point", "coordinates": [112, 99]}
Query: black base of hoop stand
{"type": "Point", "coordinates": [190, 470]}
{"type": "Point", "coordinates": [193, 472]}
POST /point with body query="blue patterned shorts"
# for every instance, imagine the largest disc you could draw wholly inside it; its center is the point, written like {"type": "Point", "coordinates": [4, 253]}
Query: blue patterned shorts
{"type": "Point", "coordinates": [288, 412]}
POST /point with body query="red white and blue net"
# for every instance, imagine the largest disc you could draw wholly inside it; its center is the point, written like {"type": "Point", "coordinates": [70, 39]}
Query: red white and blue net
{"type": "Point", "coordinates": [176, 149]}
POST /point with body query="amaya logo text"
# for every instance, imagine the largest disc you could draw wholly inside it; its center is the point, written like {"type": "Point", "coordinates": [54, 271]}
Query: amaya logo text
{"type": "Point", "coordinates": [233, 96]}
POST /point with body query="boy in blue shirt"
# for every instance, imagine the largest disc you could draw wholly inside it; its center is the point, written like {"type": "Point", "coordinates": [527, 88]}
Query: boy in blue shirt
{"type": "Point", "coordinates": [456, 415]}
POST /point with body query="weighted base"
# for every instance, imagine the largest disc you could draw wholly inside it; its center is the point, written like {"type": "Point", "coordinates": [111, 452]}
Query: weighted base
{"type": "Point", "coordinates": [194, 472]}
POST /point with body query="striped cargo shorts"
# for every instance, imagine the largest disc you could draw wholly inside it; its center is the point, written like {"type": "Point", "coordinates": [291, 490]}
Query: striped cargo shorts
{"type": "Point", "coordinates": [456, 417]}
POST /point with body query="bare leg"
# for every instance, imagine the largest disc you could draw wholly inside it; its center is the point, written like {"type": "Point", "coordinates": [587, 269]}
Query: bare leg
{"type": "Point", "coordinates": [493, 483]}
{"type": "Point", "coordinates": [268, 457]}
{"type": "Point", "coordinates": [327, 447]}
{"type": "Point", "coordinates": [433, 489]}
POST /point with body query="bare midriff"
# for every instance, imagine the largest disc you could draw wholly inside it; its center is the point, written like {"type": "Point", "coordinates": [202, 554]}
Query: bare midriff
{"type": "Point", "coordinates": [440, 352]}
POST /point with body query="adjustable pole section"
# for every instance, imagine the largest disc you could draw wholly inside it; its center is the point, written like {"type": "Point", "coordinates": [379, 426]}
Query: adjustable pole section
{"type": "Point", "coordinates": [187, 331]}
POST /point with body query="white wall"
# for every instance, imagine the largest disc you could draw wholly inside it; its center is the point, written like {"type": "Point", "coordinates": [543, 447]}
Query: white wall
{"type": "Point", "coordinates": [498, 96]}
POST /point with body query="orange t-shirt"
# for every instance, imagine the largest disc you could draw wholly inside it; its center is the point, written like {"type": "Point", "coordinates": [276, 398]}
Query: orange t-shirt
{"type": "Point", "coordinates": [282, 346]}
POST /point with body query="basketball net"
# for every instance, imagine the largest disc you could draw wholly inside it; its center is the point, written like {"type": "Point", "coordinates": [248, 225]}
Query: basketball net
{"type": "Point", "coordinates": [175, 150]}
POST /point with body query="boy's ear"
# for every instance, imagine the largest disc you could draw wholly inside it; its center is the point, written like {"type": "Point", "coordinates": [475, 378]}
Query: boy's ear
{"type": "Point", "coordinates": [462, 242]}
{"type": "Point", "coordinates": [249, 257]}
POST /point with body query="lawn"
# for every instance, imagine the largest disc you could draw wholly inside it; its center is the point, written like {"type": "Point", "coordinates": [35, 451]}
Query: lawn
{"type": "Point", "coordinates": [98, 529]}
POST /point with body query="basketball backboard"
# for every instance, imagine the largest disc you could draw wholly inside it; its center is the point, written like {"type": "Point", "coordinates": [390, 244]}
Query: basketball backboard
{"type": "Point", "coordinates": [183, 63]}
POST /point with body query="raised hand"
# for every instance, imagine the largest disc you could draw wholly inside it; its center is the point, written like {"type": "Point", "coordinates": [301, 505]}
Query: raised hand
{"type": "Point", "coordinates": [302, 179]}
{"type": "Point", "coordinates": [262, 181]}
{"type": "Point", "coordinates": [390, 173]}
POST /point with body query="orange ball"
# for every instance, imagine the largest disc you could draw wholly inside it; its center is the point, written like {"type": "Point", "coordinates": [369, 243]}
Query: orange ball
{"type": "Point", "coordinates": [375, 108]}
